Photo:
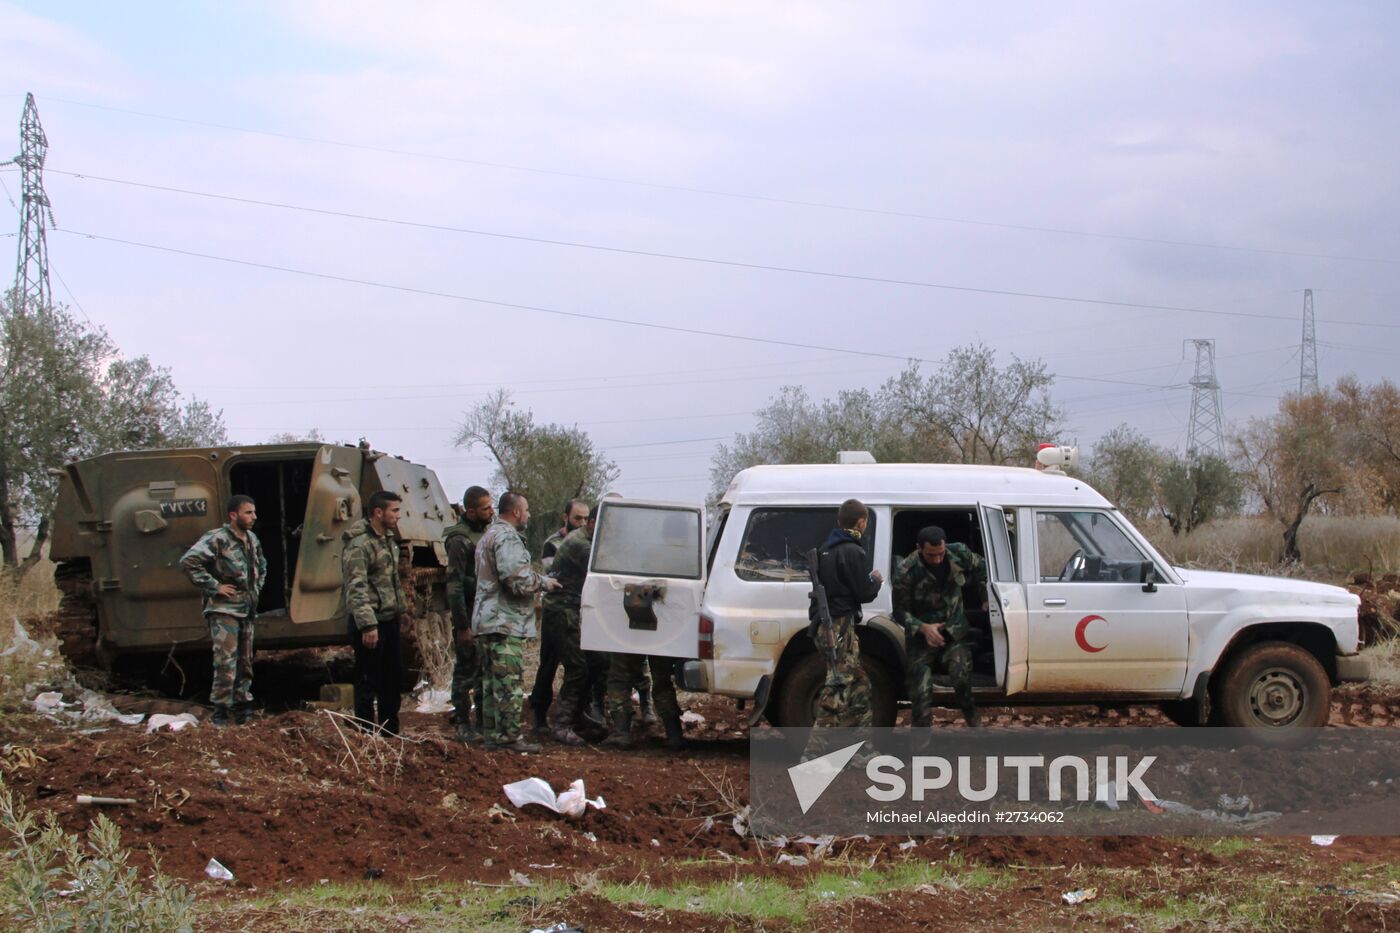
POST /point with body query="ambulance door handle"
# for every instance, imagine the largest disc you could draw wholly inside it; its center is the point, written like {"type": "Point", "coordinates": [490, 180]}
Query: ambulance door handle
{"type": "Point", "coordinates": [1054, 602]}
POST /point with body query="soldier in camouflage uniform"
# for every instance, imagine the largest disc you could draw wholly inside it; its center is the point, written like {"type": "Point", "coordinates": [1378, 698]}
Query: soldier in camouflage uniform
{"type": "Point", "coordinates": [542, 693]}
{"type": "Point", "coordinates": [561, 626]}
{"type": "Point", "coordinates": [228, 566]}
{"type": "Point", "coordinates": [460, 542]}
{"type": "Point", "coordinates": [504, 617]}
{"type": "Point", "coordinates": [928, 602]}
{"type": "Point", "coordinates": [375, 601]}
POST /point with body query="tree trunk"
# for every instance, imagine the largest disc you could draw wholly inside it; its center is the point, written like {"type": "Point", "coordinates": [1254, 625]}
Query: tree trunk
{"type": "Point", "coordinates": [36, 551]}
{"type": "Point", "coordinates": [1309, 495]}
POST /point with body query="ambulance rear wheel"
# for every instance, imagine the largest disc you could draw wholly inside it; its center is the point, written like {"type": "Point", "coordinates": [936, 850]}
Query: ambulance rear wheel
{"type": "Point", "coordinates": [796, 702]}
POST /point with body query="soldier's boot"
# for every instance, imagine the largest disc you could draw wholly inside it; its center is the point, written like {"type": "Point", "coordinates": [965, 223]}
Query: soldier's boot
{"type": "Point", "coordinates": [521, 746]}
{"type": "Point", "coordinates": [561, 725]}
{"type": "Point", "coordinates": [243, 713]}
{"type": "Point", "coordinates": [467, 732]}
{"type": "Point", "coordinates": [594, 716]}
{"type": "Point", "coordinates": [972, 716]}
{"type": "Point", "coordinates": [621, 735]}
{"type": "Point", "coordinates": [648, 711]}
{"type": "Point", "coordinates": [220, 717]}
{"type": "Point", "coordinates": [541, 720]}
{"type": "Point", "coordinates": [675, 735]}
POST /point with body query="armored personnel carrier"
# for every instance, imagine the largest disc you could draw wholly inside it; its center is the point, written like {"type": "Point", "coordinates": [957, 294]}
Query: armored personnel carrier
{"type": "Point", "coordinates": [124, 519]}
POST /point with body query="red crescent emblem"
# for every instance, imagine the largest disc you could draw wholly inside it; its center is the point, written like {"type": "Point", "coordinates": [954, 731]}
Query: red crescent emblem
{"type": "Point", "coordinates": [1079, 634]}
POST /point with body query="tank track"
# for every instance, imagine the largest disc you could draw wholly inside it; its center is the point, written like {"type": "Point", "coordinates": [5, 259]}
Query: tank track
{"type": "Point", "coordinates": [76, 619]}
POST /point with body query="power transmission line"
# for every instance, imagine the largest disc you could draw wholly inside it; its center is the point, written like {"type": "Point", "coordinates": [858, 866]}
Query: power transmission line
{"type": "Point", "coordinates": [408, 289]}
{"type": "Point", "coordinates": [676, 257]}
{"type": "Point", "coordinates": [715, 192]}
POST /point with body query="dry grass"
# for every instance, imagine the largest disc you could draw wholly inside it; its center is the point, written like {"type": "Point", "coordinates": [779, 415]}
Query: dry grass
{"type": "Point", "coordinates": [436, 649]}
{"type": "Point", "coordinates": [1332, 547]}
{"type": "Point", "coordinates": [30, 595]}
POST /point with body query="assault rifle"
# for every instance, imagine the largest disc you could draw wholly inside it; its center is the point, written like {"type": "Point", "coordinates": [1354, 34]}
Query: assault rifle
{"type": "Point", "coordinates": [821, 631]}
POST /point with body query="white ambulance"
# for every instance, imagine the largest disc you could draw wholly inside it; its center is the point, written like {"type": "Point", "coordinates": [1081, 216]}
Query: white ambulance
{"type": "Point", "coordinates": [1081, 608]}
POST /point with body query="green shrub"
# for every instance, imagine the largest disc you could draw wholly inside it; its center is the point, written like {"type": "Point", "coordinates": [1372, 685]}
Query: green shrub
{"type": "Point", "coordinates": [52, 881]}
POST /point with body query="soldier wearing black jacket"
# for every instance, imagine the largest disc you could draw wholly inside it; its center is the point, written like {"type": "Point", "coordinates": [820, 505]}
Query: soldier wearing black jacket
{"type": "Point", "coordinates": [845, 695]}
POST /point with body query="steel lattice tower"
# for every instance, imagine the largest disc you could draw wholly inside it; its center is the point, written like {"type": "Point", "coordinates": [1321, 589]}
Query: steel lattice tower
{"type": "Point", "coordinates": [32, 267]}
{"type": "Point", "coordinates": [1307, 366]}
{"type": "Point", "coordinates": [1207, 431]}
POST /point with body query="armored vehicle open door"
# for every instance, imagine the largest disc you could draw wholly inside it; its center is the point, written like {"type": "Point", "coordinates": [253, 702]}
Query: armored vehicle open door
{"type": "Point", "coordinates": [646, 579]}
{"type": "Point", "coordinates": [333, 502]}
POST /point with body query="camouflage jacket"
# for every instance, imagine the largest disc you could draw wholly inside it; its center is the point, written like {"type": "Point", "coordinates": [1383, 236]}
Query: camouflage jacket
{"type": "Point", "coordinates": [506, 584]}
{"type": "Point", "coordinates": [919, 598]}
{"type": "Point", "coordinates": [369, 566]}
{"type": "Point", "coordinates": [461, 540]}
{"type": "Point", "coordinates": [570, 567]}
{"type": "Point", "coordinates": [550, 549]}
{"type": "Point", "coordinates": [218, 558]}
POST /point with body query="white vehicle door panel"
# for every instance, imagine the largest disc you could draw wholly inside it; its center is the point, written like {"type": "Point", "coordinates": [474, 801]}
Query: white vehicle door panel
{"type": "Point", "coordinates": [646, 579]}
{"type": "Point", "coordinates": [1007, 602]}
{"type": "Point", "coordinates": [1100, 634]}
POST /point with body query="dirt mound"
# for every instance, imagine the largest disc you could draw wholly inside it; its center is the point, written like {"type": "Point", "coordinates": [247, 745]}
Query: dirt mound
{"type": "Point", "coordinates": [1379, 613]}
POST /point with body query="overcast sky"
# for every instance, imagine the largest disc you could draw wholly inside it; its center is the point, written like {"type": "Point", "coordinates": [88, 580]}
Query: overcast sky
{"type": "Point", "coordinates": [1034, 148]}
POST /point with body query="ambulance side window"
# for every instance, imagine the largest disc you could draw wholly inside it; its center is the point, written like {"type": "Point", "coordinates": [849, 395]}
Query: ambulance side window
{"type": "Point", "coordinates": [776, 542]}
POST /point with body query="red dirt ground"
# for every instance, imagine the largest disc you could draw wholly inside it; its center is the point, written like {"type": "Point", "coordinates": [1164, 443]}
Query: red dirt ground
{"type": "Point", "coordinates": [290, 800]}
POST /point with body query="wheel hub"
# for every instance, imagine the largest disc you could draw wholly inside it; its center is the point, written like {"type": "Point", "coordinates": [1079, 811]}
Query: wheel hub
{"type": "Point", "coordinates": [1277, 697]}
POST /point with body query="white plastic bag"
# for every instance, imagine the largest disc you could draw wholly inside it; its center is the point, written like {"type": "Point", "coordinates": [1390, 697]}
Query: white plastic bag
{"type": "Point", "coordinates": [572, 802]}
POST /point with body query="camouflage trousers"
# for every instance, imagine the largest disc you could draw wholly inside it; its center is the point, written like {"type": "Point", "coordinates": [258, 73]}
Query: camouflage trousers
{"type": "Point", "coordinates": [844, 699]}
{"type": "Point", "coordinates": [561, 627]}
{"type": "Point", "coordinates": [466, 681]}
{"type": "Point", "coordinates": [625, 671]}
{"type": "Point", "coordinates": [954, 659]}
{"type": "Point", "coordinates": [502, 659]}
{"type": "Point", "coordinates": [233, 659]}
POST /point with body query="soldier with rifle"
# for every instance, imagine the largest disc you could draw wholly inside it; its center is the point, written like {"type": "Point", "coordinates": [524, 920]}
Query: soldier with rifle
{"type": "Point", "coordinates": [841, 583]}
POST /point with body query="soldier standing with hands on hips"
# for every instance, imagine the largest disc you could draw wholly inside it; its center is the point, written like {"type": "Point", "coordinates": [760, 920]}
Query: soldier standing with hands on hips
{"type": "Point", "coordinates": [228, 566]}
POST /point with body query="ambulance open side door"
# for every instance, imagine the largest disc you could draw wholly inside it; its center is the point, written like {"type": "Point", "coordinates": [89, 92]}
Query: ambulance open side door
{"type": "Point", "coordinates": [1006, 603]}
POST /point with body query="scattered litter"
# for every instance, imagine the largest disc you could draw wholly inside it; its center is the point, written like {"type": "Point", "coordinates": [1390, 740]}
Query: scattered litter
{"type": "Point", "coordinates": [217, 872]}
{"type": "Point", "coordinates": [906, 846]}
{"type": "Point", "coordinates": [741, 822]}
{"type": "Point", "coordinates": [173, 723]}
{"type": "Point", "coordinates": [933, 889]}
{"type": "Point", "coordinates": [1323, 840]}
{"type": "Point", "coordinates": [73, 887]}
{"type": "Point", "coordinates": [105, 801]}
{"type": "Point", "coordinates": [49, 702]}
{"type": "Point", "coordinates": [797, 861]}
{"type": "Point", "coordinates": [499, 814]}
{"type": "Point", "coordinates": [656, 842]}
{"type": "Point", "coordinates": [590, 837]}
{"type": "Point", "coordinates": [542, 867]}
{"type": "Point", "coordinates": [1217, 816]}
{"type": "Point", "coordinates": [403, 920]}
{"type": "Point", "coordinates": [23, 643]}
{"type": "Point", "coordinates": [708, 825]}
{"type": "Point", "coordinates": [1080, 896]}
{"type": "Point", "coordinates": [571, 803]}
{"type": "Point", "coordinates": [560, 927]}
{"type": "Point", "coordinates": [434, 701]}
{"type": "Point", "coordinates": [1240, 804]}
{"type": "Point", "coordinates": [522, 880]}
{"type": "Point", "coordinates": [692, 718]}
